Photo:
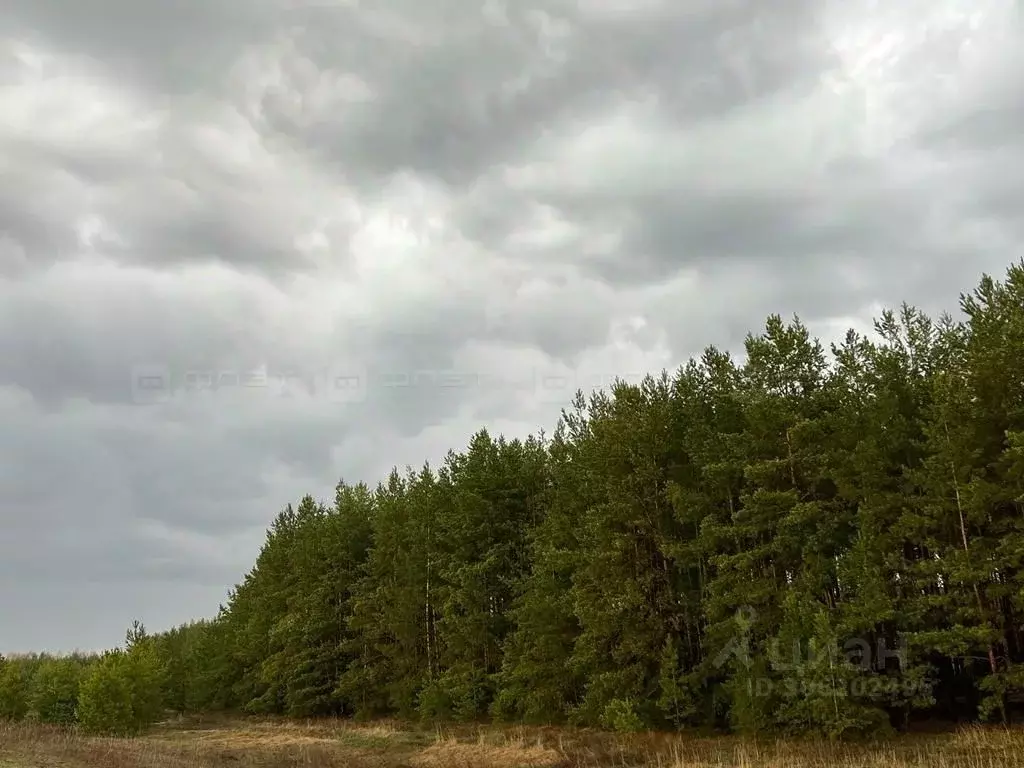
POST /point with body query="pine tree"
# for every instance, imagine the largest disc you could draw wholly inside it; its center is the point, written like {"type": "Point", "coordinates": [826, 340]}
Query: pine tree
{"type": "Point", "coordinates": [53, 692]}
{"type": "Point", "coordinates": [536, 682]}
{"type": "Point", "coordinates": [105, 699]}
{"type": "Point", "coordinates": [393, 606]}
{"type": "Point", "coordinates": [14, 689]}
{"type": "Point", "coordinates": [799, 543]}
{"type": "Point", "coordinates": [491, 496]}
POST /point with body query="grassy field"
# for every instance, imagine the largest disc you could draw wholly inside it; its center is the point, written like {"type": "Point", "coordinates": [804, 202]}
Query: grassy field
{"type": "Point", "coordinates": [274, 744]}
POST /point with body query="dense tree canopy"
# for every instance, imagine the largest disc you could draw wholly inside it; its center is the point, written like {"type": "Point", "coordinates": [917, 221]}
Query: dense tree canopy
{"type": "Point", "coordinates": [798, 539]}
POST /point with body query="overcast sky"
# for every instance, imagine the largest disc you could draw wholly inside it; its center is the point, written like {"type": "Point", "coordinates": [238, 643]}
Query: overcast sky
{"type": "Point", "coordinates": [382, 225]}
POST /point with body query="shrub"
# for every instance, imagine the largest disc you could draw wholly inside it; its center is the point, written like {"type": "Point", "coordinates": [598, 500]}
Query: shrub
{"type": "Point", "coordinates": [621, 715]}
{"type": "Point", "coordinates": [53, 696]}
{"type": "Point", "coordinates": [14, 689]}
{"type": "Point", "coordinates": [105, 697]}
{"type": "Point", "coordinates": [121, 694]}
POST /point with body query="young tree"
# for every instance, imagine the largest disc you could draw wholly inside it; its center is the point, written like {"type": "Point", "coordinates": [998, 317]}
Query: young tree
{"type": "Point", "coordinates": [536, 682]}
{"type": "Point", "coordinates": [105, 697]}
{"type": "Point", "coordinates": [14, 689]}
{"type": "Point", "coordinates": [53, 696]}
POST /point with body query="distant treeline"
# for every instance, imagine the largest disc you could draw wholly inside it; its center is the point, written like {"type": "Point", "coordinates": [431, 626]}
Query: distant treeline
{"type": "Point", "coordinates": [803, 541]}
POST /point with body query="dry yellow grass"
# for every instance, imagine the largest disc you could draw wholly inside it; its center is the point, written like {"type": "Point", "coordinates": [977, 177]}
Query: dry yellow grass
{"type": "Point", "coordinates": [327, 743]}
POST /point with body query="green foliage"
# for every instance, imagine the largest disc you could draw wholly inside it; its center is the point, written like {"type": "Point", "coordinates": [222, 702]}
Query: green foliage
{"type": "Point", "coordinates": [807, 541]}
{"type": "Point", "coordinates": [14, 689]}
{"type": "Point", "coordinates": [122, 693]}
{"type": "Point", "coordinates": [106, 697]}
{"type": "Point", "coordinates": [621, 715]}
{"type": "Point", "coordinates": [142, 668]}
{"type": "Point", "coordinates": [678, 700]}
{"type": "Point", "coordinates": [460, 693]}
{"type": "Point", "coordinates": [54, 690]}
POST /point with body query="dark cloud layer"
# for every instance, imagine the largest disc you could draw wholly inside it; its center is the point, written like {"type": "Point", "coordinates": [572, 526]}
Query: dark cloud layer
{"type": "Point", "coordinates": [214, 214]}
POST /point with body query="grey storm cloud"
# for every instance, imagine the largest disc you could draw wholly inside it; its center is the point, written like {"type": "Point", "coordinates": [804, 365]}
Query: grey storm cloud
{"type": "Point", "coordinates": [215, 216]}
